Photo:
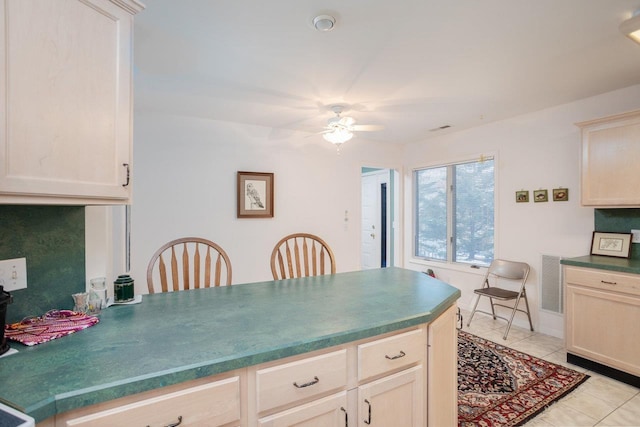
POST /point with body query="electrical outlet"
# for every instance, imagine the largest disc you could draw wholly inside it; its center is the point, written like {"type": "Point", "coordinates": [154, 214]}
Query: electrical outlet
{"type": "Point", "coordinates": [13, 274]}
{"type": "Point", "coordinates": [635, 236]}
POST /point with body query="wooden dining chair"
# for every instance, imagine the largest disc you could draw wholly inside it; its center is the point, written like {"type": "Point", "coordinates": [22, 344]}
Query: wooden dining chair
{"type": "Point", "coordinates": [301, 255]}
{"type": "Point", "coordinates": [188, 263]}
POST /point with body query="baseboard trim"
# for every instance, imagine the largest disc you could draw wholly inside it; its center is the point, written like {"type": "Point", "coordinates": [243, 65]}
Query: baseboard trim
{"type": "Point", "coordinates": [608, 371]}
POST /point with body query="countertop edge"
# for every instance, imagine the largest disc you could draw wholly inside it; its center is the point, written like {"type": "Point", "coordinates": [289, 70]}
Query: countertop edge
{"type": "Point", "coordinates": [622, 265]}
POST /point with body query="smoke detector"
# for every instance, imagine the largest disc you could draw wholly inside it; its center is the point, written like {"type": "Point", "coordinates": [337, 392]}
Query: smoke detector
{"type": "Point", "coordinates": [324, 22]}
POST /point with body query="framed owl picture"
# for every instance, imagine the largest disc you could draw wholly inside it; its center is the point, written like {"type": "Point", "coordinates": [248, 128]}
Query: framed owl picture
{"type": "Point", "coordinates": [255, 195]}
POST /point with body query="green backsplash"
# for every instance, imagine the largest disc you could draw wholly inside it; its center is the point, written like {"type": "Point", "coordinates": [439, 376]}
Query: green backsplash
{"type": "Point", "coordinates": [51, 238]}
{"type": "Point", "coordinates": [619, 221]}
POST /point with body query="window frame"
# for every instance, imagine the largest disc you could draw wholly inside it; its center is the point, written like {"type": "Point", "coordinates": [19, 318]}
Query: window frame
{"type": "Point", "coordinates": [451, 246]}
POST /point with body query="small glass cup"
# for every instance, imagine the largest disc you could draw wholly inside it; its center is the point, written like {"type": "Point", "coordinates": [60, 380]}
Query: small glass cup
{"type": "Point", "coordinates": [81, 301]}
{"type": "Point", "coordinates": [99, 291]}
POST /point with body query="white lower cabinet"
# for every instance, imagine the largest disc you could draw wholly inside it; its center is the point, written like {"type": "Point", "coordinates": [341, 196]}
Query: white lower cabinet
{"type": "Point", "coordinates": [602, 307]}
{"type": "Point", "coordinates": [397, 400]}
{"type": "Point", "coordinates": [374, 382]}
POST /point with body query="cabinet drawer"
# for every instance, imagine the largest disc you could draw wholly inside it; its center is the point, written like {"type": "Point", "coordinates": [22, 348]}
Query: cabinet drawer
{"type": "Point", "coordinates": [603, 280]}
{"type": "Point", "coordinates": [392, 353]}
{"type": "Point", "coordinates": [216, 403]}
{"type": "Point", "coordinates": [326, 412]}
{"type": "Point", "coordinates": [300, 380]}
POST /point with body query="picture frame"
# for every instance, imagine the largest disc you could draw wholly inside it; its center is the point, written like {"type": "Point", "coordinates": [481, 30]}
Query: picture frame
{"type": "Point", "coordinates": [560, 194]}
{"type": "Point", "coordinates": [522, 196]}
{"type": "Point", "coordinates": [611, 244]}
{"type": "Point", "coordinates": [540, 196]}
{"type": "Point", "coordinates": [255, 194]}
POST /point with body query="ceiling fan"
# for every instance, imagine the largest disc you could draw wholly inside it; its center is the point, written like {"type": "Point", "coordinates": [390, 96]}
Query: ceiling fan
{"type": "Point", "coordinates": [339, 129]}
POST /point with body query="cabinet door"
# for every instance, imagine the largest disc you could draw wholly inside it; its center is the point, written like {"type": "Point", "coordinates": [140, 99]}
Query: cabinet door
{"type": "Point", "coordinates": [66, 105]}
{"type": "Point", "coordinates": [396, 400]}
{"type": "Point", "coordinates": [327, 412]}
{"type": "Point", "coordinates": [600, 327]}
{"type": "Point", "coordinates": [442, 362]}
{"type": "Point", "coordinates": [610, 151]}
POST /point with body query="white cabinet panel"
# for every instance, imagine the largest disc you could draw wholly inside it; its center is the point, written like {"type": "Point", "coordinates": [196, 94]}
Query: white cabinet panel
{"type": "Point", "coordinates": [66, 109]}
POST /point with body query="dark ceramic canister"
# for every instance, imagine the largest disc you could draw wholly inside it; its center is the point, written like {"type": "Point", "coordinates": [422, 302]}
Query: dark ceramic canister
{"type": "Point", "coordinates": [123, 289]}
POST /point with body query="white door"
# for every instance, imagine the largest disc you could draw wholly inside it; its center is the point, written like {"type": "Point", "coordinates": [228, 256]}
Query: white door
{"type": "Point", "coordinates": [371, 218]}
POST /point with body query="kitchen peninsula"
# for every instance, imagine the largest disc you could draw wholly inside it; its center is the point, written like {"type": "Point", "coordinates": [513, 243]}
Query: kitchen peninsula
{"type": "Point", "coordinates": [241, 345]}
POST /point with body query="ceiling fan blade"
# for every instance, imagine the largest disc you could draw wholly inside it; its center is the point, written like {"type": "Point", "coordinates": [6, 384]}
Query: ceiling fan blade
{"type": "Point", "coordinates": [347, 121]}
{"type": "Point", "coordinates": [320, 133]}
{"type": "Point", "coordinates": [366, 128]}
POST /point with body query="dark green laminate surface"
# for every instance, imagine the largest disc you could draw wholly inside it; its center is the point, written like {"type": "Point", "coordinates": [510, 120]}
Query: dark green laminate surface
{"type": "Point", "coordinates": [176, 337]}
{"type": "Point", "coordinates": [623, 265]}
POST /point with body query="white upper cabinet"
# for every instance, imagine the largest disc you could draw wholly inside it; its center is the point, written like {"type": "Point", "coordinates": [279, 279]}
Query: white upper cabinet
{"type": "Point", "coordinates": [611, 161]}
{"type": "Point", "coordinates": [66, 101]}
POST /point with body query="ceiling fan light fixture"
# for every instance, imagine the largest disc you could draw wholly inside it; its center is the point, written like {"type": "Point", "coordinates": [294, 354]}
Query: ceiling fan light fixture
{"type": "Point", "coordinates": [338, 136]}
{"type": "Point", "coordinates": [324, 22]}
{"type": "Point", "coordinates": [631, 27]}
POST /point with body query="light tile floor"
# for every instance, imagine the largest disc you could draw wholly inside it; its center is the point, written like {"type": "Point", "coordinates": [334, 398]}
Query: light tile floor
{"type": "Point", "coordinates": [599, 401]}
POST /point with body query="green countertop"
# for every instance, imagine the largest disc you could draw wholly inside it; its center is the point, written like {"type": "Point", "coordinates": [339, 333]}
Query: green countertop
{"type": "Point", "coordinates": [623, 265]}
{"type": "Point", "coordinates": [175, 337]}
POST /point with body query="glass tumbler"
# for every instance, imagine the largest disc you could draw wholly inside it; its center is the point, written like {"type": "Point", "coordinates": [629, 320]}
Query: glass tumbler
{"type": "Point", "coordinates": [99, 291]}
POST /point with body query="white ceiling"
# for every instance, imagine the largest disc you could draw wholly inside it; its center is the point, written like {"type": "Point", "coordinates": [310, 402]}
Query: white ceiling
{"type": "Point", "coordinates": [409, 65]}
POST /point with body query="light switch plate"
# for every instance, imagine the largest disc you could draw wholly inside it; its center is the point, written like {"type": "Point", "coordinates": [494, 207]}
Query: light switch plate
{"type": "Point", "coordinates": [635, 238]}
{"type": "Point", "coordinates": [13, 274]}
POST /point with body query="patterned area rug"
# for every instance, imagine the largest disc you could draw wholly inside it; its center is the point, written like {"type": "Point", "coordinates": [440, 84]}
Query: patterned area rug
{"type": "Point", "coordinates": [499, 386]}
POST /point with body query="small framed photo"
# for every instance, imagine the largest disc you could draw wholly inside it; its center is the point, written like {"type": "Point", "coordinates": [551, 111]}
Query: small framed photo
{"type": "Point", "coordinates": [540, 196]}
{"type": "Point", "coordinates": [611, 244]}
{"type": "Point", "coordinates": [522, 196]}
{"type": "Point", "coordinates": [560, 194]}
{"type": "Point", "coordinates": [255, 195]}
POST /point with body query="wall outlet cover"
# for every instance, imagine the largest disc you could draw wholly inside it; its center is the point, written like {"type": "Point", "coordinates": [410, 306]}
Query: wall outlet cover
{"type": "Point", "coordinates": [635, 238]}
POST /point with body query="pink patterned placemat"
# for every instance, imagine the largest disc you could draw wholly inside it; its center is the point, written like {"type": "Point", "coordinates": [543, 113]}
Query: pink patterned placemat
{"type": "Point", "coordinates": [53, 324]}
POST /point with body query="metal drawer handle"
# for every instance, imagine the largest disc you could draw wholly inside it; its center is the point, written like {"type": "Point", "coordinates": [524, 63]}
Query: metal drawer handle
{"type": "Point", "coordinates": [397, 356]}
{"type": "Point", "coordinates": [346, 417]}
{"type": "Point", "coordinates": [368, 421]}
{"type": "Point", "coordinates": [174, 424]}
{"type": "Point", "coordinates": [126, 165]}
{"type": "Point", "coordinates": [608, 283]}
{"type": "Point", "coordinates": [312, 382]}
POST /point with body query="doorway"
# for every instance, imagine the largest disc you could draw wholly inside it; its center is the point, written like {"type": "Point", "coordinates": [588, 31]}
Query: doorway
{"type": "Point", "coordinates": [378, 207]}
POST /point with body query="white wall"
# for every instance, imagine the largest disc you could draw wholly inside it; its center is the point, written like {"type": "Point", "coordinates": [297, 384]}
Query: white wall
{"type": "Point", "coordinates": [185, 184]}
{"type": "Point", "coordinates": [534, 151]}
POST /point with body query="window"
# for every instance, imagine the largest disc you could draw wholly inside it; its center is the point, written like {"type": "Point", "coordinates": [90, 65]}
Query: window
{"type": "Point", "coordinates": [454, 209]}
